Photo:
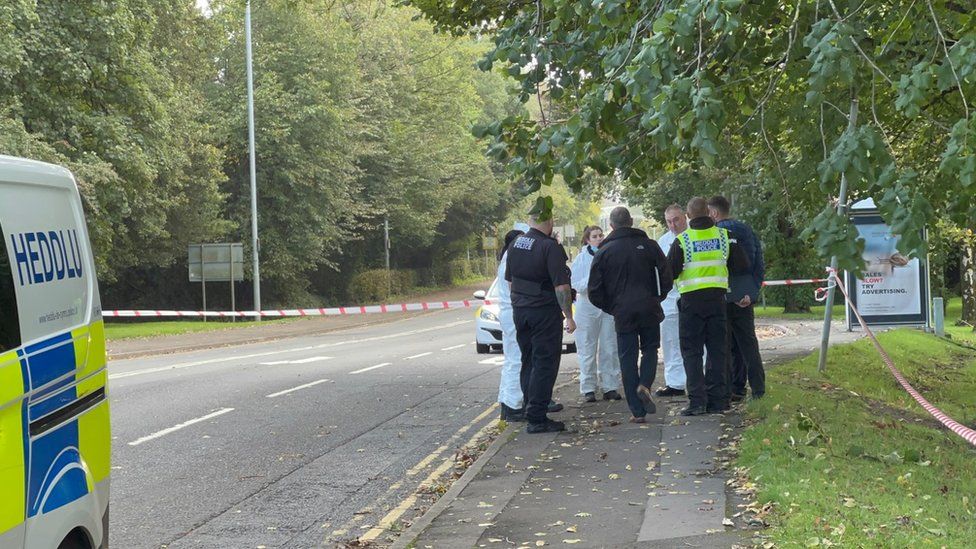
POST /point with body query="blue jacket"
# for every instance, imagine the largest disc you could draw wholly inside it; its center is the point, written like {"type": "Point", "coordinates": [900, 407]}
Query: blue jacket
{"type": "Point", "coordinates": [749, 283]}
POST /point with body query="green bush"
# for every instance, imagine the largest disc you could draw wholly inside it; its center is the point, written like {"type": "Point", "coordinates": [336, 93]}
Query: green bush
{"type": "Point", "coordinates": [378, 285]}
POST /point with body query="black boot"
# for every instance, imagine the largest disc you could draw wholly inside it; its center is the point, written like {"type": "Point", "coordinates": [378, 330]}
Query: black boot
{"type": "Point", "coordinates": [512, 414]}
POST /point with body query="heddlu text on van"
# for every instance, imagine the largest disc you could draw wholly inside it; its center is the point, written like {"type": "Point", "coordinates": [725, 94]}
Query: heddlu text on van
{"type": "Point", "coordinates": [45, 256]}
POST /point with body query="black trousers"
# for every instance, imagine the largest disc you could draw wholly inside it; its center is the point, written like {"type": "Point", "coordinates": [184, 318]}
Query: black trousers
{"type": "Point", "coordinates": [702, 325]}
{"type": "Point", "coordinates": [539, 331]}
{"type": "Point", "coordinates": [746, 362]}
{"type": "Point", "coordinates": [646, 341]}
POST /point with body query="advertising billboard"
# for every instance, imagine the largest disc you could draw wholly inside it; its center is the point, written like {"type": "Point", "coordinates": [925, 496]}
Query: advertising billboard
{"type": "Point", "coordinates": [893, 290]}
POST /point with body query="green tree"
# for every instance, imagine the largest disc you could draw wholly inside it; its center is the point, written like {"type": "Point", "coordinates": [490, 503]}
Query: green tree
{"type": "Point", "coordinates": [94, 86]}
{"type": "Point", "coordinates": [306, 130]}
{"type": "Point", "coordinates": [645, 84]}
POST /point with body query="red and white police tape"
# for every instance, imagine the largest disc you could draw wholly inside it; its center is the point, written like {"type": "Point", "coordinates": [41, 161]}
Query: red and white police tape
{"type": "Point", "coordinates": [353, 309]}
{"type": "Point", "coordinates": [965, 432]}
{"type": "Point", "coordinates": [793, 282]}
{"type": "Point", "coordinates": [277, 313]}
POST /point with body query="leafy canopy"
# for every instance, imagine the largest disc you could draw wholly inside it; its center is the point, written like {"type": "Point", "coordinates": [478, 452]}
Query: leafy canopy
{"type": "Point", "coordinates": [806, 91]}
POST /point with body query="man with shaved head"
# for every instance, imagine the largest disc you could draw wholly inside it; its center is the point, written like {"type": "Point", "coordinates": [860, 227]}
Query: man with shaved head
{"type": "Point", "coordinates": [701, 259]}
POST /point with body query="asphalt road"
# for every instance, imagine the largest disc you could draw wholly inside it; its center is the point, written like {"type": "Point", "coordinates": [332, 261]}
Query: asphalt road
{"type": "Point", "coordinates": [285, 444]}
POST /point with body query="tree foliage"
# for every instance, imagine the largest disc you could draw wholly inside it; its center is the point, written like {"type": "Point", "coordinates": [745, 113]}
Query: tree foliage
{"type": "Point", "coordinates": [361, 111]}
{"type": "Point", "coordinates": [795, 94]}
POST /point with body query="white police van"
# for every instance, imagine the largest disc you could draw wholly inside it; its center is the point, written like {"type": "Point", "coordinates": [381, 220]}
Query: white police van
{"type": "Point", "coordinates": [55, 441]}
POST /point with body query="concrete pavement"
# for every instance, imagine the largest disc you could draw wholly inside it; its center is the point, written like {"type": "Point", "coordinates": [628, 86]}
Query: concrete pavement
{"type": "Point", "coordinates": [606, 482]}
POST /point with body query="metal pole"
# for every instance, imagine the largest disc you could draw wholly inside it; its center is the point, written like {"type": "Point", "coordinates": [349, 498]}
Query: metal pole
{"type": "Point", "coordinates": [255, 241]}
{"type": "Point", "coordinates": [386, 241]}
{"type": "Point", "coordinates": [386, 252]}
{"type": "Point", "coordinates": [233, 303]}
{"type": "Point", "coordinates": [203, 280]}
{"type": "Point", "coordinates": [841, 210]}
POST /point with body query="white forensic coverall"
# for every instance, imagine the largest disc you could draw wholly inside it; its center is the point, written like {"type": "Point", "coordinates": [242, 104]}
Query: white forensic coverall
{"type": "Point", "coordinates": [510, 387]}
{"type": "Point", "coordinates": [674, 366]}
{"type": "Point", "coordinates": [595, 335]}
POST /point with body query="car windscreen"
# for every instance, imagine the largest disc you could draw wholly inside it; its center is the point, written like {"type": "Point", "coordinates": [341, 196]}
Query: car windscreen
{"type": "Point", "coordinates": [493, 290]}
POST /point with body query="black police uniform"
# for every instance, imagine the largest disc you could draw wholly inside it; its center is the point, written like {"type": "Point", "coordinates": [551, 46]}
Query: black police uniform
{"type": "Point", "coordinates": [536, 265]}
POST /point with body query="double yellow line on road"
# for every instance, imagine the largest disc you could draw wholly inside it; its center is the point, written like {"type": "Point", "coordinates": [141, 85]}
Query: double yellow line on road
{"type": "Point", "coordinates": [446, 465]}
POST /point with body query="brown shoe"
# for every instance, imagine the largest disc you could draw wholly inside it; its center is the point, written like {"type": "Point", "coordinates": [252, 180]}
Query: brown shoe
{"type": "Point", "coordinates": [641, 419]}
{"type": "Point", "coordinates": [644, 394]}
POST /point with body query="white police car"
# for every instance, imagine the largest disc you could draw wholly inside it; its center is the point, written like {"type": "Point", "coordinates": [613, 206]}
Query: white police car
{"type": "Point", "coordinates": [488, 330]}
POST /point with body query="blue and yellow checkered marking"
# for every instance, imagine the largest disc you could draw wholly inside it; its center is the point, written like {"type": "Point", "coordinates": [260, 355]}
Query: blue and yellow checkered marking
{"type": "Point", "coordinates": [13, 439]}
{"type": "Point", "coordinates": [66, 462]}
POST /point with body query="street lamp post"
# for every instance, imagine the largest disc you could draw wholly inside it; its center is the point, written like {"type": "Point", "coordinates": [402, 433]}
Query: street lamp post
{"type": "Point", "coordinates": [255, 241]}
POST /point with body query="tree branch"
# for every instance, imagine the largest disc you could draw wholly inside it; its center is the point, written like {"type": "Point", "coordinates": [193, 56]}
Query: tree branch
{"type": "Point", "coordinates": [945, 48]}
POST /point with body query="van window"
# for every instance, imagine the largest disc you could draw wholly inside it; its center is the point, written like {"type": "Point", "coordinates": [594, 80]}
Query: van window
{"type": "Point", "coordinates": [9, 320]}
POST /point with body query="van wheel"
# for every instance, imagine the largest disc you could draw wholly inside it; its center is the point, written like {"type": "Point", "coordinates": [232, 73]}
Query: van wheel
{"type": "Point", "coordinates": [570, 347]}
{"type": "Point", "coordinates": [76, 540]}
{"type": "Point", "coordinates": [482, 348]}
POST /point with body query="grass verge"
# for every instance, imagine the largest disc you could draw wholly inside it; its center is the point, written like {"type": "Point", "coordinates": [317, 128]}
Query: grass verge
{"type": "Point", "coordinates": [152, 328]}
{"type": "Point", "coordinates": [816, 313]}
{"type": "Point", "coordinates": [848, 458]}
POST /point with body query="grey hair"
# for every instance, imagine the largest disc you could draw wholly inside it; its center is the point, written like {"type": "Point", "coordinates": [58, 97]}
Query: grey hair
{"type": "Point", "coordinates": [620, 217]}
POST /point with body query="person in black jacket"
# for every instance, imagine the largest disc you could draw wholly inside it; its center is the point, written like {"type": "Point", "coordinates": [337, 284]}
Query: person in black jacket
{"type": "Point", "coordinates": [629, 278]}
{"type": "Point", "coordinates": [745, 361]}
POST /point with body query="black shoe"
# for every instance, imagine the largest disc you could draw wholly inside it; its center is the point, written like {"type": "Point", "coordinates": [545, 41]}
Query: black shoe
{"type": "Point", "coordinates": [644, 394]}
{"type": "Point", "coordinates": [738, 397]}
{"type": "Point", "coordinates": [554, 407]}
{"type": "Point", "coordinates": [754, 396]}
{"type": "Point", "coordinates": [669, 391]}
{"type": "Point", "coordinates": [694, 411]}
{"type": "Point", "coordinates": [512, 414]}
{"type": "Point", "coordinates": [590, 397]}
{"type": "Point", "coordinates": [611, 395]}
{"type": "Point", "coordinates": [720, 409]}
{"type": "Point", "coordinates": [549, 426]}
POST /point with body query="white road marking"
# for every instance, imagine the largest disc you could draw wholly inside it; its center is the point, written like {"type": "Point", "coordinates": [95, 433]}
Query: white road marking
{"type": "Point", "coordinates": [370, 368]}
{"type": "Point", "coordinates": [164, 432]}
{"type": "Point", "coordinates": [275, 363]}
{"type": "Point", "coordinates": [300, 387]}
{"type": "Point", "coordinates": [311, 359]}
{"type": "Point", "coordinates": [282, 351]}
{"type": "Point", "coordinates": [418, 356]}
{"type": "Point", "coordinates": [454, 347]}
{"type": "Point", "coordinates": [494, 361]}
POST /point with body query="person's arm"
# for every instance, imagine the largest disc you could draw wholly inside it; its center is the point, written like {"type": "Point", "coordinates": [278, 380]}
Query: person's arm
{"type": "Point", "coordinates": [738, 262]}
{"type": "Point", "coordinates": [596, 291]}
{"type": "Point", "coordinates": [559, 274]}
{"type": "Point", "coordinates": [676, 259]}
{"type": "Point", "coordinates": [662, 264]}
{"type": "Point", "coordinates": [759, 265]}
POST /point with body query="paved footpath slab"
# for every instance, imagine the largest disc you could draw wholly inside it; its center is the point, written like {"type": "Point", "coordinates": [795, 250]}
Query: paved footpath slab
{"type": "Point", "coordinates": [607, 482]}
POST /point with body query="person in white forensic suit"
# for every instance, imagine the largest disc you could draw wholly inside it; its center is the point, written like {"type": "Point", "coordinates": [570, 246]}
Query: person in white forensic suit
{"type": "Point", "coordinates": [674, 366]}
{"type": "Point", "coordinates": [510, 386]}
{"type": "Point", "coordinates": [596, 339]}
